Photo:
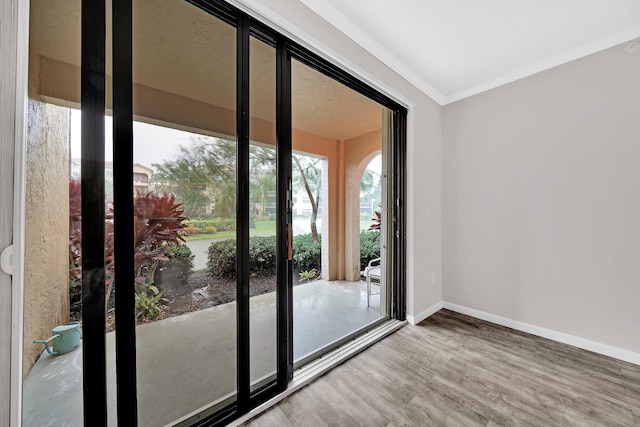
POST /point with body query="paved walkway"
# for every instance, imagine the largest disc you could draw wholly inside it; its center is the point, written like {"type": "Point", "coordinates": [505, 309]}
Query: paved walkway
{"type": "Point", "coordinates": [199, 248]}
{"type": "Point", "coordinates": [188, 361]}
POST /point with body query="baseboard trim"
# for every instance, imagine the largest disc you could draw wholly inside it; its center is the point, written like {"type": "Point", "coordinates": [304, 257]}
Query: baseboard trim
{"type": "Point", "coordinates": [596, 347]}
{"type": "Point", "coordinates": [414, 320]}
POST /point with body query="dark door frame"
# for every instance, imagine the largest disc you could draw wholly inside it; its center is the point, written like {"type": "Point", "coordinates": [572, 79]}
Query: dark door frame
{"type": "Point", "coordinates": [93, 98]}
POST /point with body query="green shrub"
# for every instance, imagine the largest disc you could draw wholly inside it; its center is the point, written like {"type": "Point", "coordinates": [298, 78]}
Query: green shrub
{"type": "Point", "coordinates": [221, 257]}
{"type": "Point", "coordinates": [190, 230]}
{"type": "Point", "coordinates": [178, 269]}
{"type": "Point", "coordinates": [209, 229]}
{"type": "Point", "coordinates": [206, 216]}
{"type": "Point", "coordinates": [262, 255]}
{"type": "Point", "coordinates": [306, 253]}
{"type": "Point", "coordinates": [369, 247]}
{"type": "Point", "coordinates": [148, 299]}
{"type": "Point", "coordinates": [206, 226]}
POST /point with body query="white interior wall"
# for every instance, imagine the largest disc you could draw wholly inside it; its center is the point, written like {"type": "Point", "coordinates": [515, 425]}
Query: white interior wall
{"type": "Point", "coordinates": [541, 200]}
{"type": "Point", "coordinates": [423, 141]}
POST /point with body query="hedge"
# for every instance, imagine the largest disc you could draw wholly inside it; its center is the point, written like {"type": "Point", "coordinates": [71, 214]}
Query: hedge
{"type": "Point", "coordinates": [221, 257]}
{"type": "Point", "coordinates": [210, 226]}
{"type": "Point", "coordinates": [262, 254]}
{"type": "Point", "coordinates": [369, 247]}
{"type": "Point", "coordinates": [306, 253]}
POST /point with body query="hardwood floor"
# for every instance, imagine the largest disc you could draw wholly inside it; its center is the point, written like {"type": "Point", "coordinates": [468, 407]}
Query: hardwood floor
{"type": "Point", "coordinates": [455, 370]}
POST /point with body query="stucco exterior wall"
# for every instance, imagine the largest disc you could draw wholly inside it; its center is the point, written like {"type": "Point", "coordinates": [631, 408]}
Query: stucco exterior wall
{"type": "Point", "coordinates": [46, 287]}
{"type": "Point", "coordinates": [358, 153]}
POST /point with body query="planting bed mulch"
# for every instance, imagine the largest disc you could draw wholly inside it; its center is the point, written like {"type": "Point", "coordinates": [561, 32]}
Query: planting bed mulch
{"type": "Point", "coordinates": [201, 291]}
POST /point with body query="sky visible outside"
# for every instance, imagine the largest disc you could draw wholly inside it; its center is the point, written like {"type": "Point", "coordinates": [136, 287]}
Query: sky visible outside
{"type": "Point", "coordinates": [151, 144]}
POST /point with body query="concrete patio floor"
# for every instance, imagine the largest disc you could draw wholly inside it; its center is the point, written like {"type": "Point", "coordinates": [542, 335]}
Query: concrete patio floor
{"type": "Point", "coordinates": [188, 361]}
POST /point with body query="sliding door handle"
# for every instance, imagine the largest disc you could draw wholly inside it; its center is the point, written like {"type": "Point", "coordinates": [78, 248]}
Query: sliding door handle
{"type": "Point", "coordinates": [289, 242]}
{"type": "Point", "coordinates": [6, 260]}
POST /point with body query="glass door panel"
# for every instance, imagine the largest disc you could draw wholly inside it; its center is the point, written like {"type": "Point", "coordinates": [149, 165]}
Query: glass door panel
{"type": "Point", "coordinates": [52, 371]}
{"type": "Point", "coordinates": [336, 133]}
{"type": "Point", "coordinates": [262, 215]}
{"type": "Point", "coordinates": [184, 70]}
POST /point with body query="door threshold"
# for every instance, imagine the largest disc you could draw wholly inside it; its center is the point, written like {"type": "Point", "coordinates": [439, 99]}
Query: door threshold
{"type": "Point", "coordinates": [322, 365]}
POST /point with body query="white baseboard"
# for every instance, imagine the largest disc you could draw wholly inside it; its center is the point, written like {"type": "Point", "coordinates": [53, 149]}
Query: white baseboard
{"type": "Point", "coordinates": [414, 320]}
{"type": "Point", "coordinates": [596, 347]}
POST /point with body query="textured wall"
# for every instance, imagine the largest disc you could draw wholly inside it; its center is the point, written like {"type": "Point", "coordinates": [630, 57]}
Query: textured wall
{"type": "Point", "coordinates": [358, 153]}
{"type": "Point", "coordinates": [46, 293]}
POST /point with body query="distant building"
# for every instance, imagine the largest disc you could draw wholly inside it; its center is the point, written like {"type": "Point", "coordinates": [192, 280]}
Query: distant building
{"type": "Point", "coordinates": [141, 178]}
{"type": "Point", "coordinates": [141, 175]}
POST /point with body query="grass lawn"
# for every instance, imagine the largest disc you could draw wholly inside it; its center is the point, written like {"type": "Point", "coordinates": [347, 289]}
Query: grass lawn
{"type": "Point", "coordinates": [262, 228]}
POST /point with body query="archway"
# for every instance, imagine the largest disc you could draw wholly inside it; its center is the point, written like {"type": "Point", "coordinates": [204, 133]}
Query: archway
{"type": "Point", "coordinates": [354, 172]}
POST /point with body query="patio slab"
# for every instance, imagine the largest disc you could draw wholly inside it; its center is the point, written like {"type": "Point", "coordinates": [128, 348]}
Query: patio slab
{"type": "Point", "coordinates": [186, 362]}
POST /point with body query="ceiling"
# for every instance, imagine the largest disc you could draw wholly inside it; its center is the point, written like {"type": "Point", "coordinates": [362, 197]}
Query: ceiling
{"type": "Point", "coordinates": [452, 49]}
{"type": "Point", "coordinates": [182, 50]}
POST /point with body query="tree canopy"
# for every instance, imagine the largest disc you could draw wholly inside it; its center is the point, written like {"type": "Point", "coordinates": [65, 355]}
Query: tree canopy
{"type": "Point", "coordinates": [203, 174]}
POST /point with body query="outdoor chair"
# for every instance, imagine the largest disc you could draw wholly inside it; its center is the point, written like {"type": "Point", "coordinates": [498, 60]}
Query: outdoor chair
{"type": "Point", "coordinates": [372, 274]}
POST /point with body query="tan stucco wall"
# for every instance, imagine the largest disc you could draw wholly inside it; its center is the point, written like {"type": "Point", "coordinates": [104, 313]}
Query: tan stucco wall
{"type": "Point", "coordinates": [357, 155]}
{"type": "Point", "coordinates": [46, 284]}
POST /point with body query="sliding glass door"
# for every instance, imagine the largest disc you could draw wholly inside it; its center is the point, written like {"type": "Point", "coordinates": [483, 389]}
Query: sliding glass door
{"type": "Point", "coordinates": [224, 194]}
{"type": "Point", "coordinates": [184, 97]}
{"type": "Point", "coordinates": [337, 189]}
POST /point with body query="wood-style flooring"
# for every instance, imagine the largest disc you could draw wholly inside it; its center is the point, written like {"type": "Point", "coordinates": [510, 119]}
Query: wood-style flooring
{"type": "Point", "coordinates": [455, 370]}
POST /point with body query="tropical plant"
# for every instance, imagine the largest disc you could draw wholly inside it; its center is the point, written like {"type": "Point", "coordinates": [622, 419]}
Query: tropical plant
{"type": "Point", "coordinates": [377, 222]}
{"type": "Point", "coordinates": [308, 274]}
{"type": "Point", "coordinates": [75, 242]}
{"type": "Point", "coordinates": [147, 301]}
{"type": "Point", "coordinates": [158, 222]}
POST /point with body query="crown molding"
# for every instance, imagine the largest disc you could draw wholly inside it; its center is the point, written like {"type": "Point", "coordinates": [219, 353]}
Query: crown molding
{"type": "Point", "coordinates": [336, 18]}
{"type": "Point", "coordinates": [353, 31]}
{"type": "Point", "coordinates": [571, 55]}
{"type": "Point", "coordinates": [266, 14]}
